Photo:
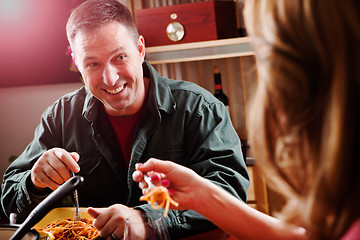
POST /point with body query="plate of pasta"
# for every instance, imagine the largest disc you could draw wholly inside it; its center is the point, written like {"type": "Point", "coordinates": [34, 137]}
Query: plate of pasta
{"type": "Point", "coordinates": [59, 224]}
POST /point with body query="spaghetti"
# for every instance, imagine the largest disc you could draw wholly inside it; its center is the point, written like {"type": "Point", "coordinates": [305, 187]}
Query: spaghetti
{"type": "Point", "coordinates": [71, 230]}
{"type": "Point", "coordinates": [159, 194]}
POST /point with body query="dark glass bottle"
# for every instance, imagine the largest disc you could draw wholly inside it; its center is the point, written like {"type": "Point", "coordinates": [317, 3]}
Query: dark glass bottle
{"type": "Point", "coordinates": [219, 94]}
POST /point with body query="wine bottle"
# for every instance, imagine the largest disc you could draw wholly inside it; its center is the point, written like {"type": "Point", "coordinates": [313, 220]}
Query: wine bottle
{"type": "Point", "coordinates": [219, 94]}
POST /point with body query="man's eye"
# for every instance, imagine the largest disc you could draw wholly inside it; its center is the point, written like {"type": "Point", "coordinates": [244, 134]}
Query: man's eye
{"type": "Point", "coordinates": [120, 57]}
{"type": "Point", "coordinates": [92, 65]}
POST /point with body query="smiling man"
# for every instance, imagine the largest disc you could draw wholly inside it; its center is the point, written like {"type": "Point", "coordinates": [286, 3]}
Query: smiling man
{"type": "Point", "coordinates": [125, 114]}
{"type": "Point", "coordinates": [111, 64]}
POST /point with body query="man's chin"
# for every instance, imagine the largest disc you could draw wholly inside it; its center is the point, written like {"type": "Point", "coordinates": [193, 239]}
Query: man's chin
{"type": "Point", "coordinates": [118, 110]}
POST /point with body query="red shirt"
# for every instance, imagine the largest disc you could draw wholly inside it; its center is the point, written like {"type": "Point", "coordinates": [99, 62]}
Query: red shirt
{"type": "Point", "coordinates": [125, 127]}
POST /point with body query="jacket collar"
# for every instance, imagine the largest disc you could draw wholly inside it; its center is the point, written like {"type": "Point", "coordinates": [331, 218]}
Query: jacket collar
{"type": "Point", "coordinates": [160, 95]}
{"type": "Point", "coordinates": [91, 105]}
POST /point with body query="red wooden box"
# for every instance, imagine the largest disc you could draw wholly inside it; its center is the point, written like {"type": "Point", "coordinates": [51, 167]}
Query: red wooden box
{"type": "Point", "coordinates": [201, 21]}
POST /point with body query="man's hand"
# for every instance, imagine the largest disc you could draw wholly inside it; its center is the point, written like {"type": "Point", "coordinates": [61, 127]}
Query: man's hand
{"type": "Point", "coordinates": [52, 168]}
{"type": "Point", "coordinates": [111, 221]}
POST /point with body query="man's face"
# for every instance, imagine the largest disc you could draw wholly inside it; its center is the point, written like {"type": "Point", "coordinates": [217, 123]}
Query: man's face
{"type": "Point", "coordinates": [111, 65]}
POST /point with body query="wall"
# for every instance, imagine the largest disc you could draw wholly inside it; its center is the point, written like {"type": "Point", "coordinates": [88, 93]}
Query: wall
{"type": "Point", "coordinates": [34, 67]}
{"type": "Point", "coordinates": [21, 109]}
{"type": "Point", "coordinates": [33, 42]}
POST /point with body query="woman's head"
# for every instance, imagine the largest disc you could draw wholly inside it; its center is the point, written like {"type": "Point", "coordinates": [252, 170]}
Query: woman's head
{"type": "Point", "coordinates": [305, 111]}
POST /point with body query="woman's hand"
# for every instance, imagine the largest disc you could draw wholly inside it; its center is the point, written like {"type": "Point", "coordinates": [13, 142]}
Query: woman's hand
{"type": "Point", "coordinates": [182, 183]}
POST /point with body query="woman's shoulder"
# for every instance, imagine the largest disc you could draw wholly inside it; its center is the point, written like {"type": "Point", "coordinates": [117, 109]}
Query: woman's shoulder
{"type": "Point", "coordinates": [353, 232]}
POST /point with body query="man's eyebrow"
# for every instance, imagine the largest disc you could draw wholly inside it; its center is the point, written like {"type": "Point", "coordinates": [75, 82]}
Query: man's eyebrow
{"type": "Point", "coordinates": [87, 58]}
{"type": "Point", "coordinates": [119, 49]}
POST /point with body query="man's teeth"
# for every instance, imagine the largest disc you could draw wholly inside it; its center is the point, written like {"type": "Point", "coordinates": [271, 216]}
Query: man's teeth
{"type": "Point", "coordinates": [115, 91]}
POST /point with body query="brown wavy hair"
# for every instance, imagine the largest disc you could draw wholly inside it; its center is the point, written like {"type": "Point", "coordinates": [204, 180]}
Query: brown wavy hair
{"type": "Point", "coordinates": [305, 115]}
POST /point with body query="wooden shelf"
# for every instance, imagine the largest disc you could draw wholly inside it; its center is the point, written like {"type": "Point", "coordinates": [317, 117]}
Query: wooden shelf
{"type": "Point", "coordinates": [224, 48]}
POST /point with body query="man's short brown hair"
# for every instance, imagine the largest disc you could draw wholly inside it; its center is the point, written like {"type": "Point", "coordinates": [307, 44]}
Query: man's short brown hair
{"type": "Point", "coordinates": [93, 14]}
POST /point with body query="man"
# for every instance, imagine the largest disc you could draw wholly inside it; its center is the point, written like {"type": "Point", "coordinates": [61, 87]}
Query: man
{"type": "Point", "coordinates": [125, 114]}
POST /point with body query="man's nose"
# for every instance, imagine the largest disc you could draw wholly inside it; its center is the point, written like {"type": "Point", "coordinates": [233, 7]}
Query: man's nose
{"type": "Point", "coordinates": [110, 75]}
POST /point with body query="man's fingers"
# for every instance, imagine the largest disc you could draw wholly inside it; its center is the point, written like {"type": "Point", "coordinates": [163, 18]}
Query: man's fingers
{"type": "Point", "coordinates": [42, 181]}
{"type": "Point", "coordinates": [101, 218]}
{"type": "Point", "coordinates": [68, 159]}
{"type": "Point", "coordinates": [75, 156]}
{"type": "Point", "coordinates": [93, 212]}
{"type": "Point", "coordinates": [52, 168]}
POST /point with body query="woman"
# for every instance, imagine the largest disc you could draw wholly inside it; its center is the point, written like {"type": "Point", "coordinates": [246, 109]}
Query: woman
{"type": "Point", "coordinates": [303, 125]}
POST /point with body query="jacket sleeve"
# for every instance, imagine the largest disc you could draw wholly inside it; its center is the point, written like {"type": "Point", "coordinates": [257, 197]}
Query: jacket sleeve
{"type": "Point", "coordinates": [15, 195]}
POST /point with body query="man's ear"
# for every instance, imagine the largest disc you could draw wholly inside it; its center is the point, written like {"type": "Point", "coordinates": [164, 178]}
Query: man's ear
{"type": "Point", "coordinates": [73, 57]}
{"type": "Point", "coordinates": [141, 46]}
{"type": "Point", "coordinates": [74, 60]}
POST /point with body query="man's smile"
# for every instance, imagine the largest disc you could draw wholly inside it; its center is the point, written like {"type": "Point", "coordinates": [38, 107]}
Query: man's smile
{"type": "Point", "coordinates": [116, 90]}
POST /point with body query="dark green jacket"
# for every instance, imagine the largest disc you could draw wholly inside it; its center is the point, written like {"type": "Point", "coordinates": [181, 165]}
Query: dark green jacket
{"type": "Point", "coordinates": [182, 123]}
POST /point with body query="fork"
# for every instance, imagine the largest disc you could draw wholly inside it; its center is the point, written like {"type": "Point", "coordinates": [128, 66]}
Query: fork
{"type": "Point", "coordinates": [77, 216]}
{"type": "Point", "coordinates": [148, 181]}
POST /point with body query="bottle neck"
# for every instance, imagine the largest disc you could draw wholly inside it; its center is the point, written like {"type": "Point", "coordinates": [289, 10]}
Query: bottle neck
{"type": "Point", "coordinates": [218, 87]}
